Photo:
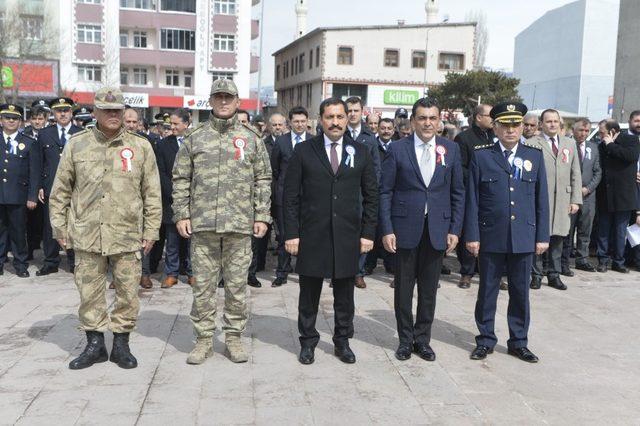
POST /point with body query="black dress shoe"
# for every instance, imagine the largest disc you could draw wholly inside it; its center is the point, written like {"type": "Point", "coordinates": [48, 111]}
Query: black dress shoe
{"type": "Point", "coordinates": [557, 283]}
{"type": "Point", "coordinates": [345, 354]}
{"type": "Point", "coordinates": [306, 355]}
{"type": "Point", "coordinates": [524, 354]}
{"type": "Point", "coordinates": [278, 282]}
{"type": "Point", "coordinates": [603, 267]}
{"type": "Point", "coordinates": [445, 270]}
{"type": "Point", "coordinates": [23, 274]}
{"type": "Point", "coordinates": [567, 272]}
{"type": "Point", "coordinates": [424, 351]}
{"type": "Point", "coordinates": [253, 281]}
{"type": "Point", "coordinates": [46, 270]}
{"type": "Point", "coordinates": [585, 267]}
{"type": "Point", "coordinates": [481, 352]}
{"type": "Point", "coordinates": [403, 353]}
{"type": "Point", "coordinates": [536, 283]}
{"type": "Point", "coordinates": [1, 271]}
{"type": "Point", "coordinates": [72, 269]}
{"type": "Point", "coordinates": [622, 269]}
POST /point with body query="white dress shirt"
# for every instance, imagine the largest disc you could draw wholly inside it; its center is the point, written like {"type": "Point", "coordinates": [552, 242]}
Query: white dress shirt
{"type": "Point", "coordinates": [66, 131]}
{"type": "Point", "coordinates": [13, 143]}
{"type": "Point", "coordinates": [419, 143]}
{"type": "Point", "coordinates": [327, 148]}
{"type": "Point", "coordinates": [303, 137]}
{"type": "Point", "coordinates": [548, 139]}
{"type": "Point", "coordinates": [513, 153]}
{"type": "Point", "coordinates": [351, 130]}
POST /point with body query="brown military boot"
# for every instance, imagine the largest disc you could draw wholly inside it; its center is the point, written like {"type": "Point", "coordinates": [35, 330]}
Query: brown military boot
{"type": "Point", "coordinates": [360, 282]}
{"type": "Point", "coordinates": [169, 282]}
{"type": "Point", "coordinates": [145, 282]}
{"type": "Point", "coordinates": [202, 351]}
{"type": "Point", "coordinates": [235, 349]}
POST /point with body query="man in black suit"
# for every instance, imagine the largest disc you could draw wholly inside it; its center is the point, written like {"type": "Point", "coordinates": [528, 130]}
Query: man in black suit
{"type": "Point", "coordinates": [52, 140]}
{"type": "Point", "coordinates": [280, 157]}
{"type": "Point", "coordinates": [616, 196]}
{"type": "Point", "coordinates": [330, 212]}
{"type": "Point", "coordinates": [362, 134]}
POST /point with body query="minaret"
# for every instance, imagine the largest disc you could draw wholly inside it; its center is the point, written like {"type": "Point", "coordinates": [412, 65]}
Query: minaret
{"type": "Point", "coordinates": [431, 6]}
{"type": "Point", "coordinates": [301, 13]}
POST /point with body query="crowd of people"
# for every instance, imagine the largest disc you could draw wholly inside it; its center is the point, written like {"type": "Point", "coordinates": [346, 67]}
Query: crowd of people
{"type": "Point", "coordinates": [514, 195]}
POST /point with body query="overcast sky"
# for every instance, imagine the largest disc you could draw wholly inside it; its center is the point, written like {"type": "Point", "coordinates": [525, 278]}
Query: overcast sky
{"type": "Point", "coordinates": [505, 19]}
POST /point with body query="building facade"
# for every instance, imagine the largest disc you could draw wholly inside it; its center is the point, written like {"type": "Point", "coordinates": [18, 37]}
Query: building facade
{"type": "Point", "coordinates": [627, 80]}
{"type": "Point", "coordinates": [386, 66]}
{"type": "Point", "coordinates": [566, 59]}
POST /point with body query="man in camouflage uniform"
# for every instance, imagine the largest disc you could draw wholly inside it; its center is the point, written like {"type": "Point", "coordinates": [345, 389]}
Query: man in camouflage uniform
{"type": "Point", "coordinates": [105, 203]}
{"type": "Point", "coordinates": [221, 196]}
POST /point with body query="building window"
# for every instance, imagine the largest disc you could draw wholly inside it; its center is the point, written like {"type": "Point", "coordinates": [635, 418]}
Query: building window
{"type": "Point", "coordinates": [140, 76]}
{"type": "Point", "coordinates": [301, 63]}
{"type": "Point", "coordinates": [89, 34]}
{"type": "Point", "coordinates": [89, 73]}
{"type": "Point", "coordinates": [345, 55]}
{"type": "Point", "coordinates": [32, 27]}
{"type": "Point", "coordinates": [317, 57]}
{"type": "Point", "coordinates": [451, 61]}
{"type": "Point", "coordinates": [138, 4]}
{"type": "Point", "coordinates": [418, 59]}
{"type": "Point", "coordinates": [224, 43]}
{"type": "Point", "coordinates": [291, 68]}
{"type": "Point", "coordinates": [277, 72]}
{"type": "Point", "coordinates": [391, 57]}
{"type": "Point", "coordinates": [188, 6]}
{"type": "Point", "coordinates": [140, 39]}
{"type": "Point", "coordinates": [124, 77]}
{"type": "Point", "coordinates": [299, 95]}
{"type": "Point", "coordinates": [124, 39]}
{"type": "Point", "coordinates": [295, 65]}
{"type": "Point", "coordinates": [177, 39]}
{"type": "Point", "coordinates": [286, 69]}
{"type": "Point", "coordinates": [311, 59]}
{"type": "Point", "coordinates": [224, 7]}
{"type": "Point", "coordinates": [221, 75]}
{"type": "Point", "coordinates": [172, 77]}
{"type": "Point", "coordinates": [188, 78]}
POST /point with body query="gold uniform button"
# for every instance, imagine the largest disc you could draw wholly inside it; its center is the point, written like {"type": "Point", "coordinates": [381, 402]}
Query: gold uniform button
{"type": "Point", "coordinates": [513, 217]}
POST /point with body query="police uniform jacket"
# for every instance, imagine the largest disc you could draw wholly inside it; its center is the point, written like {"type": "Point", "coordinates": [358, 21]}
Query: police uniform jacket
{"type": "Point", "coordinates": [51, 151]}
{"type": "Point", "coordinates": [504, 213]}
{"type": "Point", "coordinates": [20, 179]}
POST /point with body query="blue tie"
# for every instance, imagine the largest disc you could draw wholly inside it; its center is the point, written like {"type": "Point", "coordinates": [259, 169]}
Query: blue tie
{"type": "Point", "coordinates": [63, 139]}
{"type": "Point", "coordinates": [298, 139]}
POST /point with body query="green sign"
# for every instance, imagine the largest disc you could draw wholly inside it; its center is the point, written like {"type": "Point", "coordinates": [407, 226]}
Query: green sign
{"type": "Point", "coordinates": [401, 97]}
{"type": "Point", "coordinates": [6, 76]}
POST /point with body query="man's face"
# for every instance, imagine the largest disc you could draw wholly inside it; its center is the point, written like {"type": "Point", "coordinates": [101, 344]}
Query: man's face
{"type": "Point", "coordinates": [355, 114]}
{"type": "Point", "coordinates": [10, 123]}
{"type": "Point", "coordinates": [580, 132]}
{"type": "Point", "coordinates": [483, 120]}
{"type": "Point", "coordinates": [62, 115]}
{"type": "Point", "coordinates": [508, 134]}
{"type": "Point", "coordinates": [131, 120]}
{"type": "Point", "coordinates": [634, 124]}
{"type": "Point", "coordinates": [141, 126]}
{"type": "Point", "coordinates": [224, 105]}
{"type": "Point", "coordinates": [334, 121]}
{"type": "Point", "coordinates": [299, 123]}
{"type": "Point", "coordinates": [405, 131]}
{"type": "Point", "coordinates": [602, 130]}
{"type": "Point", "coordinates": [38, 121]}
{"type": "Point", "coordinates": [530, 127]}
{"type": "Point", "coordinates": [259, 125]}
{"type": "Point", "coordinates": [385, 131]}
{"type": "Point", "coordinates": [551, 124]}
{"type": "Point", "coordinates": [277, 125]}
{"type": "Point", "coordinates": [426, 122]}
{"type": "Point", "coordinates": [178, 127]}
{"type": "Point", "coordinates": [109, 120]}
{"type": "Point", "coordinates": [373, 122]}
{"type": "Point", "coordinates": [166, 131]}
{"type": "Point", "coordinates": [243, 118]}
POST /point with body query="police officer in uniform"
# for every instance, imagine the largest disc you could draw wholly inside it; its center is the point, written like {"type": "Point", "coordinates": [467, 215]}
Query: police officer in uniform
{"type": "Point", "coordinates": [82, 116]}
{"type": "Point", "coordinates": [52, 140]}
{"type": "Point", "coordinates": [38, 116]}
{"type": "Point", "coordinates": [19, 183]}
{"type": "Point", "coordinates": [506, 222]}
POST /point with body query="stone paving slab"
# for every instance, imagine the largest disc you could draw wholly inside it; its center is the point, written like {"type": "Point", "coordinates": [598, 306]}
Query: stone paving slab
{"type": "Point", "coordinates": [587, 339]}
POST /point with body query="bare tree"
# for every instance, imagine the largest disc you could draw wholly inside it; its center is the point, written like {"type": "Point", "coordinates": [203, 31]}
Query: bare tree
{"type": "Point", "coordinates": [482, 36]}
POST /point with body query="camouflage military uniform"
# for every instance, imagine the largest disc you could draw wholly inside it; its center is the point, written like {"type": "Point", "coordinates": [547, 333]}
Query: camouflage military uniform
{"type": "Point", "coordinates": [221, 182]}
{"type": "Point", "coordinates": [105, 200]}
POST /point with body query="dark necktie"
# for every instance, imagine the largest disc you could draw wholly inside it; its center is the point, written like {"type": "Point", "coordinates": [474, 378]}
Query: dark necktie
{"type": "Point", "coordinates": [333, 157]}
{"type": "Point", "coordinates": [554, 147]}
{"type": "Point", "coordinates": [507, 154]}
{"type": "Point", "coordinates": [63, 139]}
{"type": "Point", "coordinates": [9, 145]}
{"type": "Point", "coordinates": [580, 156]}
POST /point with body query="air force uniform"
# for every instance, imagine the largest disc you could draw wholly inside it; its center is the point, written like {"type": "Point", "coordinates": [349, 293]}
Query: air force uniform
{"type": "Point", "coordinates": [508, 213]}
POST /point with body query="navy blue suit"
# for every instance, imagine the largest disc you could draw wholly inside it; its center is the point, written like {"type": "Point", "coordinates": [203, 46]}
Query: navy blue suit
{"type": "Point", "coordinates": [508, 214]}
{"type": "Point", "coordinates": [421, 240]}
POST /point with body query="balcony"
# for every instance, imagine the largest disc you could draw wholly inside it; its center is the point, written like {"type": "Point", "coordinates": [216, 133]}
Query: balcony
{"type": "Point", "coordinates": [255, 29]}
{"type": "Point", "coordinates": [255, 64]}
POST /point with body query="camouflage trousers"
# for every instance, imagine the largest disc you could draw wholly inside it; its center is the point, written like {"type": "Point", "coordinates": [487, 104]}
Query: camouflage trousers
{"type": "Point", "coordinates": [211, 254]}
{"type": "Point", "coordinates": [91, 280]}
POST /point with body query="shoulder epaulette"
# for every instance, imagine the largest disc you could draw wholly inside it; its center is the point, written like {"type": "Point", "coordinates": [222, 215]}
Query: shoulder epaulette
{"type": "Point", "coordinates": [488, 145]}
{"type": "Point", "coordinates": [532, 146]}
{"type": "Point", "coordinates": [195, 129]}
{"type": "Point", "coordinates": [253, 130]}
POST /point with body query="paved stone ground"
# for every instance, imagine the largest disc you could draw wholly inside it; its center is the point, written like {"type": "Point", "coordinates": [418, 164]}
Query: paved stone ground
{"type": "Point", "coordinates": [587, 339]}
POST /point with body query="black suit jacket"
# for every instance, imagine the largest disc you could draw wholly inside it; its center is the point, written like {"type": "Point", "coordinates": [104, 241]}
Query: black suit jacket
{"type": "Point", "coordinates": [50, 152]}
{"type": "Point", "coordinates": [617, 191]}
{"type": "Point", "coordinates": [326, 211]}
{"type": "Point", "coordinates": [280, 157]}
{"type": "Point", "coordinates": [165, 157]}
{"type": "Point", "coordinates": [468, 140]}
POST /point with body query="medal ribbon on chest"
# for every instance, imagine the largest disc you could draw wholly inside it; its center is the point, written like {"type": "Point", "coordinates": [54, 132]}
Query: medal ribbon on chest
{"type": "Point", "coordinates": [239, 144]}
{"type": "Point", "coordinates": [126, 155]}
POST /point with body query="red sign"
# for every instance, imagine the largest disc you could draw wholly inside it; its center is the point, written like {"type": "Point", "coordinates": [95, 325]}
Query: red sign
{"type": "Point", "coordinates": [32, 78]}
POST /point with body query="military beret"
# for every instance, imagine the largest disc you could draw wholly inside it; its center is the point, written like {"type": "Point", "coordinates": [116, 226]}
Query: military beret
{"type": "Point", "coordinates": [508, 112]}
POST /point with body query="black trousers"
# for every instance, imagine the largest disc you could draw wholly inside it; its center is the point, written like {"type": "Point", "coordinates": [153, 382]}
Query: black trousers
{"type": "Point", "coordinates": [551, 260]}
{"type": "Point", "coordinates": [423, 264]}
{"type": "Point", "coordinates": [34, 227]}
{"type": "Point", "coordinates": [259, 252]}
{"type": "Point", "coordinates": [155, 255]}
{"type": "Point", "coordinates": [50, 246]}
{"type": "Point", "coordinates": [284, 258]}
{"type": "Point", "coordinates": [343, 307]}
{"type": "Point", "coordinates": [466, 259]}
{"type": "Point", "coordinates": [13, 222]}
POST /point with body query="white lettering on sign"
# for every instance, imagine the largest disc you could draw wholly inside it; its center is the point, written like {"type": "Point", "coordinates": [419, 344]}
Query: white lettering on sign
{"type": "Point", "coordinates": [196, 102]}
{"type": "Point", "coordinates": [136, 100]}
